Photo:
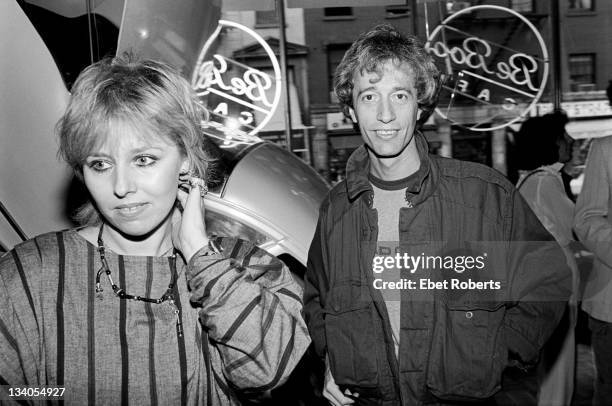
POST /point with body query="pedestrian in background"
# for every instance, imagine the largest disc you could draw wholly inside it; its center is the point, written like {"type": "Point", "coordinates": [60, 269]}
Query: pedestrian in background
{"type": "Point", "coordinates": [593, 226]}
{"type": "Point", "coordinates": [542, 148]}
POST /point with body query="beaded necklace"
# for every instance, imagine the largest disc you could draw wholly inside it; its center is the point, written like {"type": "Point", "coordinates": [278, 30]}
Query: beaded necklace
{"type": "Point", "coordinates": [122, 294]}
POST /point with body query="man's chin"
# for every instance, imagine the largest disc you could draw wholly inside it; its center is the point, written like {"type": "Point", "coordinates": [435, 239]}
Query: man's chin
{"type": "Point", "coordinates": [386, 153]}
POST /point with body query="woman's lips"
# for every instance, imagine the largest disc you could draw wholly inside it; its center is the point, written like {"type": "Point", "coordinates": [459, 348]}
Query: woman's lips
{"type": "Point", "coordinates": [130, 210]}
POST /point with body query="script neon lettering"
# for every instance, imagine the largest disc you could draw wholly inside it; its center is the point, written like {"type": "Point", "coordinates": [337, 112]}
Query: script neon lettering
{"type": "Point", "coordinates": [474, 52]}
{"type": "Point", "coordinates": [519, 64]}
{"type": "Point", "coordinates": [253, 83]}
{"type": "Point", "coordinates": [474, 59]}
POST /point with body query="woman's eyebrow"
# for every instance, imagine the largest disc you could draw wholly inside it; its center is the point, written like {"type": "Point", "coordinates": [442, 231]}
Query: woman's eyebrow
{"type": "Point", "coordinates": [132, 151]}
{"type": "Point", "coordinates": [144, 149]}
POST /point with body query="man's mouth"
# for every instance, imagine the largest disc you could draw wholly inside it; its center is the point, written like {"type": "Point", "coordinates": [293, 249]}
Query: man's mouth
{"type": "Point", "coordinates": [386, 133]}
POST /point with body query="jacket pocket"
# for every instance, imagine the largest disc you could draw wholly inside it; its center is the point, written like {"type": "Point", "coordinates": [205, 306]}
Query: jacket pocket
{"type": "Point", "coordinates": [468, 353]}
{"type": "Point", "coordinates": [351, 342]}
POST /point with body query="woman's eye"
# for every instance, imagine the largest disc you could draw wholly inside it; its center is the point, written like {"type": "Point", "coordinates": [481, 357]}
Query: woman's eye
{"type": "Point", "coordinates": [145, 160]}
{"type": "Point", "coordinates": [99, 166]}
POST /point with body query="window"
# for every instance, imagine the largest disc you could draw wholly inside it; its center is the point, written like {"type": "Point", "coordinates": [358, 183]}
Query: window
{"type": "Point", "coordinates": [337, 12]}
{"type": "Point", "coordinates": [581, 5]}
{"type": "Point", "coordinates": [453, 6]}
{"type": "Point", "coordinates": [582, 72]}
{"type": "Point", "coordinates": [266, 18]}
{"type": "Point", "coordinates": [397, 11]}
{"type": "Point", "coordinates": [335, 52]}
{"type": "Point", "coordinates": [522, 6]}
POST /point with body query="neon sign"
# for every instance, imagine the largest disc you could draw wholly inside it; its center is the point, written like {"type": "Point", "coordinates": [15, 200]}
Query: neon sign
{"type": "Point", "coordinates": [489, 83]}
{"type": "Point", "coordinates": [240, 99]}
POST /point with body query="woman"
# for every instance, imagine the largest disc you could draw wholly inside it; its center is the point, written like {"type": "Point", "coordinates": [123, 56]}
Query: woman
{"type": "Point", "coordinates": [105, 310]}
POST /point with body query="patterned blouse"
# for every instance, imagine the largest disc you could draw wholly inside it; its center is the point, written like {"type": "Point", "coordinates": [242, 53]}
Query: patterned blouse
{"type": "Point", "coordinates": [242, 328]}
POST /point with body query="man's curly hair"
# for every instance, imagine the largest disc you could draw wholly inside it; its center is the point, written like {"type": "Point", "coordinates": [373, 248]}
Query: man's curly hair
{"type": "Point", "coordinates": [381, 44]}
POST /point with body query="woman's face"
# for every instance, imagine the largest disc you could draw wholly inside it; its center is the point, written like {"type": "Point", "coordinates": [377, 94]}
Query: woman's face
{"type": "Point", "coordinates": [133, 179]}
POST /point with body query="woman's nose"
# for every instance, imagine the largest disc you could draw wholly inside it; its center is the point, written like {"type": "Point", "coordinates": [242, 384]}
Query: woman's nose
{"type": "Point", "coordinates": [123, 182]}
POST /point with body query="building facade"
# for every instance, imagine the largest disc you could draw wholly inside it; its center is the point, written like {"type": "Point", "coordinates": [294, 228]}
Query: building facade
{"type": "Point", "coordinates": [586, 68]}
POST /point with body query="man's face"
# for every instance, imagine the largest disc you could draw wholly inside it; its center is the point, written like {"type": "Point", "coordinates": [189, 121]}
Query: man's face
{"type": "Point", "coordinates": [385, 108]}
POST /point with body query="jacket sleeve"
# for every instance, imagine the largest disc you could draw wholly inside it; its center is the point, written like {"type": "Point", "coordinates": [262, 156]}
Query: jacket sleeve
{"type": "Point", "coordinates": [555, 207]}
{"type": "Point", "coordinates": [539, 282]}
{"type": "Point", "coordinates": [591, 221]}
{"type": "Point", "coordinates": [20, 344]}
{"type": "Point", "coordinates": [315, 282]}
{"type": "Point", "coordinates": [251, 310]}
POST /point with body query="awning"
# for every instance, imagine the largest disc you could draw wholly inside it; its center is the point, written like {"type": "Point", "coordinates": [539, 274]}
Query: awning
{"type": "Point", "coordinates": [589, 128]}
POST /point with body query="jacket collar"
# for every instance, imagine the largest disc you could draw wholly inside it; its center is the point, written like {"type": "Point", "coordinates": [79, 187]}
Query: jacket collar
{"type": "Point", "coordinates": [358, 169]}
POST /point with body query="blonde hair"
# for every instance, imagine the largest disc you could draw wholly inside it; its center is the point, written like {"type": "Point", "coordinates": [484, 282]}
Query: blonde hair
{"type": "Point", "coordinates": [144, 93]}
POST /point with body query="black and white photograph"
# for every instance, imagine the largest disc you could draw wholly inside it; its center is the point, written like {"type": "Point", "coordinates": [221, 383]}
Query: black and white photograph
{"type": "Point", "coordinates": [306, 202]}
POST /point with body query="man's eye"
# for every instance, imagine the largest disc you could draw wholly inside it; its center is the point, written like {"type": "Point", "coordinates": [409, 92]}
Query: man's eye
{"type": "Point", "coordinates": [99, 166]}
{"type": "Point", "coordinates": [368, 97]}
{"type": "Point", "coordinates": [145, 160]}
{"type": "Point", "coordinates": [401, 97]}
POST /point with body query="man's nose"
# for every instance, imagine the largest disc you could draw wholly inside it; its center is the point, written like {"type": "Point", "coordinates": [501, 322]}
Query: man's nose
{"type": "Point", "coordinates": [385, 113]}
{"type": "Point", "coordinates": [123, 182]}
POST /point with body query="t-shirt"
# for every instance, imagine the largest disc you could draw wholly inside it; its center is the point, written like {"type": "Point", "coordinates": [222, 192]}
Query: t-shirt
{"type": "Point", "coordinates": [389, 197]}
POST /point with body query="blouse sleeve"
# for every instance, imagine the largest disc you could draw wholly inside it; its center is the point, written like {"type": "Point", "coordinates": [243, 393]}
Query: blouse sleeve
{"type": "Point", "coordinates": [20, 344]}
{"type": "Point", "coordinates": [251, 309]}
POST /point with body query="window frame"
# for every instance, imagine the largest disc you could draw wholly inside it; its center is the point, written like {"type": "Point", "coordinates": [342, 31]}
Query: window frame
{"type": "Point", "coordinates": [335, 17]}
{"type": "Point", "coordinates": [593, 64]}
{"type": "Point", "coordinates": [522, 2]}
{"type": "Point", "coordinates": [389, 14]}
{"type": "Point", "coordinates": [580, 10]}
{"type": "Point", "coordinates": [266, 24]}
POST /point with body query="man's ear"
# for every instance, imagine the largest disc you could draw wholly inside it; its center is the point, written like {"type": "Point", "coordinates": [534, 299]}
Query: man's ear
{"type": "Point", "coordinates": [352, 114]}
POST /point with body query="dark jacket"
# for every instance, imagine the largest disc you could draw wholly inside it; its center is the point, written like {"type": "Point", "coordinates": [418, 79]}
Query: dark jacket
{"type": "Point", "coordinates": [453, 345]}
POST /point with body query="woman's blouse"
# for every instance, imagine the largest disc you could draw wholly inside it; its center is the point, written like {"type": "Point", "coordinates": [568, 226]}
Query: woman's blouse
{"type": "Point", "coordinates": [242, 328]}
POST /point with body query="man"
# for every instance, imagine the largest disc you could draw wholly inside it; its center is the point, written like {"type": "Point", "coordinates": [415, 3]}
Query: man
{"type": "Point", "coordinates": [425, 346]}
{"type": "Point", "coordinates": [593, 226]}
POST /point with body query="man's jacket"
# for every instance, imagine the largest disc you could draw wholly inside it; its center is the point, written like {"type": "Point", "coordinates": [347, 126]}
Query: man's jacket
{"type": "Point", "coordinates": [454, 345]}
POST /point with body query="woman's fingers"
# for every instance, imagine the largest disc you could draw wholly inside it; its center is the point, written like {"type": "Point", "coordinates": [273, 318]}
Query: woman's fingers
{"type": "Point", "coordinates": [192, 233]}
{"type": "Point", "coordinates": [193, 205]}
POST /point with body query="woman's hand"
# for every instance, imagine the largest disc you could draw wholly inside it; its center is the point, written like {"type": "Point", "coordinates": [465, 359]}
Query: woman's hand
{"type": "Point", "coordinates": [188, 228]}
